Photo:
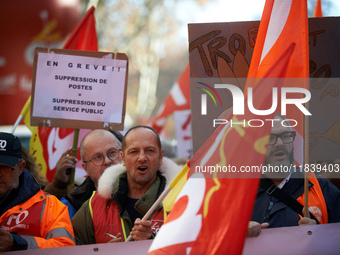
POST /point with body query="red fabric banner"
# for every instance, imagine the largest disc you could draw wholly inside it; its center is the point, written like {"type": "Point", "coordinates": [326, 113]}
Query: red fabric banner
{"type": "Point", "coordinates": [178, 99]}
{"type": "Point", "coordinates": [318, 9]}
{"type": "Point", "coordinates": [284, 24]}
{"type": "Point", "coordinates": [212, 211]}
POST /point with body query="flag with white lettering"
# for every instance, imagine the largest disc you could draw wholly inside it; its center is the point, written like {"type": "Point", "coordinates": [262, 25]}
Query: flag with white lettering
{"type": "Point", "coordinates": [178, 99]}
{"type": "Point", "coordinates": [212, 211]}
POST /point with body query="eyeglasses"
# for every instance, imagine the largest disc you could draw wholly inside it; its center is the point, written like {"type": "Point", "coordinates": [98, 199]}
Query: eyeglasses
{"type": "Point", "coordinates": [99, 159]}
{"type": "Point", "coordinates": [6, 170]}
{"type": "Point", "coordinates": [286, 137]}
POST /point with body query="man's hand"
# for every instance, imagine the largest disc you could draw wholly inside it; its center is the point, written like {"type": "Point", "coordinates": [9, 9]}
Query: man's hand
{"type": "Point", "coordinates": [141, 230]}
{"type": "Point", "coordinates": [6, 241]}
{"type": "Point", "coordinates": [306, 221]}
{"type": "Point", "coordinates": [254, 228]}
{"type": "Point", "coordinates": [65, 162]}
{"type": "Point", "coordinates": [117, 239]}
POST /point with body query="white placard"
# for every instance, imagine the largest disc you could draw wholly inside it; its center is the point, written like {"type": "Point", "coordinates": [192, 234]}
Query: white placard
{"type": "Point", "coordinates": [79, 87]}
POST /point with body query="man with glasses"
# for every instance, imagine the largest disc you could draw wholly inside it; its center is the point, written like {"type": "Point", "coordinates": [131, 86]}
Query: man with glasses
{"type": "Point", "coordinates": [29, 219]}
{"type": "Point", "coordinates": [126, 192]}
{"type": "Point", "coordinates": [282, 183]}
{"type": "Point", "coordinates": [99, 149]}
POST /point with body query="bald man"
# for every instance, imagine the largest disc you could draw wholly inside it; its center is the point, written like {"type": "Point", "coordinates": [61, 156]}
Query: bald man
{"type": "Point", "coordinates": [99, 149]}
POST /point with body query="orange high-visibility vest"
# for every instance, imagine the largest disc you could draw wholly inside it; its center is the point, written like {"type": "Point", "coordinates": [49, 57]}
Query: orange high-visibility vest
{"type": "Point", "coordinates": [42, 220]}
{"type": "Point", "coordinates": [316, 201]}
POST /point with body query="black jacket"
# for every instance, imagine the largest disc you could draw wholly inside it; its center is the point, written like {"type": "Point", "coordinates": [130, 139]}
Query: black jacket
{"type": "Point", "coordinates": [268, 209]}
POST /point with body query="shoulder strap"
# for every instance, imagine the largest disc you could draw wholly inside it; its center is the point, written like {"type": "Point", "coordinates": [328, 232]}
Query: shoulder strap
{"type": "Point", "coordinates": [283, 196]}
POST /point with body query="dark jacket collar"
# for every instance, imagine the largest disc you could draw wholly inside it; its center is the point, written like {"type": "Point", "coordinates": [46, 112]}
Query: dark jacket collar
{"type": "Point", "coordinates": [120, 192]}
{"type": "Point", "coordinates": [81, 193]}
{"type": "Point", "coordinates": [27, 188]}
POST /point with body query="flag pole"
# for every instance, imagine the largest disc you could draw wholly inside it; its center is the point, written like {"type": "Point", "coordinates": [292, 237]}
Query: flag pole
{"type": "Point", "coordinates": [306, 161]}
{"type": "Point", "coordinates": [21, 115]}
{"type": "Point", "coordinates": [166, 191]}
{"type": "Point", "coordinates": [74, 153]}
{"type": "Point", "coordinates": [153, 207]}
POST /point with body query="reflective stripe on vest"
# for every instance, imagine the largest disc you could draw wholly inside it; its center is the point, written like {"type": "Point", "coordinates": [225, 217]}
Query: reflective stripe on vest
{"type": "Point", "coordinates": [124, 231]}
{"type": "Point", "coordinates": [316, 201]}
{"type": "Point", "coordinates": [90, 204]}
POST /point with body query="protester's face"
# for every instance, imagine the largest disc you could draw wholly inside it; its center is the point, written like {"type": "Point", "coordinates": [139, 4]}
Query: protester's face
{"type": "Point", "coordinates": [10, 181]}
{"type": "Point", "coordinates": [142, 157]}
{"type": "Point", "coordinates": [279, 154]}
{"type": "Point", "coordinates": [96, 144]}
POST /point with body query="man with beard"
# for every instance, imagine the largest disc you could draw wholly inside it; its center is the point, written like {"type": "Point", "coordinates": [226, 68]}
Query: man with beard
{"type": "Point", "coordinates": [281, 177]}
{"type": "Point", "coordinates": [29, 218]}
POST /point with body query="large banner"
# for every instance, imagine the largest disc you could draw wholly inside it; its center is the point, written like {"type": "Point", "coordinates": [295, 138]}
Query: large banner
{"type": "Point", "coordinates": [26, 25]}
{"type": "Point", "coordinates": [221, 52]}
{"type": "Point", "coordinates": [315, 239]}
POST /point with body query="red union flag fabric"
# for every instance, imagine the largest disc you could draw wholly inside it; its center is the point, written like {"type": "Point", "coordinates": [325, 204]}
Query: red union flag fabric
{"type": "Point", "coordinates": [212, 211]}
{"type": "Point", "coordinates": [211, 215]}
{"type": "Point", "coordinates": [285, 23]}
{"type": "Point", "coordinates": [318, 9]}
{"type": "Point", "coordinates": [178, 99]}
{"type": "Point", "coordinates": [176, 186]}
{"type": "Point", "coordinates": [84, 37]}
{"type": "Point", "coordinates": [47, 144]}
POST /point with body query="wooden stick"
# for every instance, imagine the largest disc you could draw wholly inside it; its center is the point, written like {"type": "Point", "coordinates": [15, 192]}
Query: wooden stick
{"type": "Point", "coordinates": [22, 113]}
{"type": "Point", "coordinates": [74, 153]}
{"type": "Point", "coordinates": [153, 207]}
{"type": "Point", "coordinates": [306, 162]}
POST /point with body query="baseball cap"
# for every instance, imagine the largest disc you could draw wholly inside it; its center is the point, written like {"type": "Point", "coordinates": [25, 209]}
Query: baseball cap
{"type": "Point", "coordinates": [10, 149]}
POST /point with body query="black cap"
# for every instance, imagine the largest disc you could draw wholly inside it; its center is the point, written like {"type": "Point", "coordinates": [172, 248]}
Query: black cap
{"type": "Point", "coordinates": [10, 149]}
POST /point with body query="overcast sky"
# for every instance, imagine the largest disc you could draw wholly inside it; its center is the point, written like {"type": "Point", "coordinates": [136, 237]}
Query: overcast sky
{"type": "Point", "coordinates": [243, 10]}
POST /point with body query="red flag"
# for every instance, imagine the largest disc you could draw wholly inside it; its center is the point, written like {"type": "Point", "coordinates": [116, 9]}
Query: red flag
{"type": "Point", "coordinates": [47, 144]}
{"type": "Point", "coordinates": [211, 215]}
{"type": "Point", "coordinates": [318, 9]}
{"type": "Point", "coordinates": [178, 99]}
{"type": "Point", "coordinates": [282, 23]}
{"type": "Point", "coordinates": [84, 36]}
{"type": "Point", "coordinates": [285, 23]}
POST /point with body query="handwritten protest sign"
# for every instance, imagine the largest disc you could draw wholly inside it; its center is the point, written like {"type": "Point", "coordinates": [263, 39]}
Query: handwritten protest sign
{"type": "Point", "coordinates": [220, 53]}
{"type": "Point", "coordinates": [79, 89]}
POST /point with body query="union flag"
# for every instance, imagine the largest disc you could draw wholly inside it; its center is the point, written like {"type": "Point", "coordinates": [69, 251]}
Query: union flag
{"type": "Point", "coordinates": [212, 211]}
{"type": "Point", "coordinates": [177, 100]}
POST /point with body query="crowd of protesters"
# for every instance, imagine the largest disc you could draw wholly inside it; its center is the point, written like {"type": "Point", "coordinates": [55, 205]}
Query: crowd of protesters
{"type": "Point", "coordinates": [125, 176]}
